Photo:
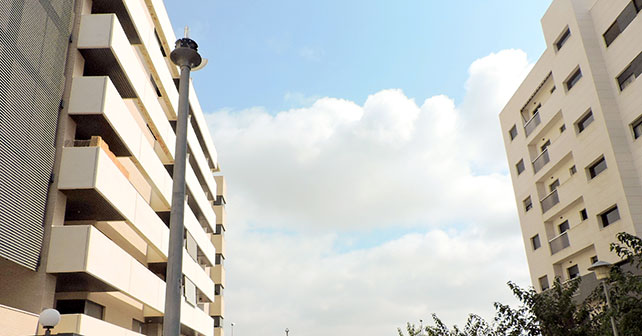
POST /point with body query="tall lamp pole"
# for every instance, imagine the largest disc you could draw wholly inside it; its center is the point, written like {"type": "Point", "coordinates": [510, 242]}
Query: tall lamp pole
{"type": "Point", "coordinates": [287, 331]}
{"type": "Point", "coordinates": [186, 56]}
{"type": "Point", "coordinates": [602, 269]}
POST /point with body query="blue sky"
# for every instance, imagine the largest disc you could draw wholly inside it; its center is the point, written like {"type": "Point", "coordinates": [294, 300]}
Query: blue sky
{"type": "Point", "coordinates": [283, 53]}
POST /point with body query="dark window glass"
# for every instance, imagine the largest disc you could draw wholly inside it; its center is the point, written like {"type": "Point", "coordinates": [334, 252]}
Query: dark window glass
{"type": "Point", "coordinates": [596, 168]}
{"type": "Point", "coordinates": [520, 166]}
{"type": "Point", "coordinates": [218, 289]}
{"type": "Point", "coordinates": [220, 260]}
{"type": "Point", "coordinates": [554, 185]}
{"type": "Point", "coordinates": [572, 170]}
{"type": "Point", "coordinates": [218, 321]}
{"type": "Point", "coordinates": [560, 42]}
{"type": "Point", "coordinates": [513, 132]}
{"type": "Point", "coordinates": [528, 204]}
{"type": "Point", "coordinates": [573, 79]}
{"type": "Point", "coordinates": [583, 214]}
{"type": "Point", "coordinates": [593, 259]}
{"type": "Point", "coordinates": [220, 229]}
{"type": "Point", "coordinates": [543, 283]}
{"type": "Point", "coordinates": [573, 272]}
{"type": "Point", "coordinates": [630, 72]}
{"type": "Point", "coordinates": [563, 227]}
{"type": "Point", "coordinates": [610, 216]}
{"type": "Point", "coordinates": [638, 4]}
{"type": "Point", "coordinates": [583, 123]}
{"type": "Point", "coordinates": [623, 20]}
{"type": "Point", "coordinates": [545, 145]}
{"type": "Point", "coordinates": [137, 326]}
{"type": "Point", "coordinates": [86, 307]}
{"type": "Point", "coordinates": [637, 126]}
{"type": "Point", "coordinates": [562, 128]}
{"type": "Point", "coordinates": [535, 242]}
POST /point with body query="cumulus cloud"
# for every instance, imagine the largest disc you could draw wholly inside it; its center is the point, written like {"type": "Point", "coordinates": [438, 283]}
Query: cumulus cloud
{"type": "Point", "coordinates": [302, 181]}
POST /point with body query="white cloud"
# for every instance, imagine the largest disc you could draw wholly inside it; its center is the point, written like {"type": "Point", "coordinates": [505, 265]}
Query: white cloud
{"type": "Point", "coordinates": [301, 181]}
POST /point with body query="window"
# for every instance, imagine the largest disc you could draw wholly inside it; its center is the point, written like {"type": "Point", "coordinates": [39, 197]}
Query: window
{"type": "Point", "coordinates": [572, 170]}
{"type": "Point", "coordinates": [562, 128]}
{"type": "Point", "coordinates": [563, 227]}
{"type": "Point", "coordinates": [513, 132]}
{"type": "Point", "coordinates": [593, 260]}
{"type": "Point", "coordinates": [535, 242]}
{"type": "Point", "coordinates": [573, 272]}
{"type": "Point", "coordinates": [562, 39]}
{"type": "Point", "coordinates": [543, 283]}
{"type": "Point", "coordinates": [610, 216]}
{"type": "Point", "coordinates": [630, 73]}
{"type": "Point", "coordinates": [583, 214]}
{"type": "Point", "coordinates": [189, 291]}
{"type": "Point", "coordinates": [219, 260]}
{"type": "Point", "coordinates": [553, 89]}
{"type": "Point", "coordinates": [218, 289]}
{"type": "Point", "coordinates": [573, 79]}
{"type": "Point", "coordinates": [637, 128]}
{"type": "Point", "coordinates": [86, 307]}
{"type": "Point", "coordinates": [623, 20]}
{"type": "Point", "coordinates": [584, 121]}
{"type": "Point", "coordinates": [554, 185]}
{"type": "Point", "coordinates": [520, 166]}
{"type": "Point", "coordinates": [220, 229]}
{"type": "Point", "coordinates": [596, 168]}
{"type": "Point", "coordinates": [137, 326]}
{"type": "Point", "coordinates": [528, 204]}
{"type": "Point", "coordinates": [218, 321]}
{"type": "Point", "coordinates": [545, 145]}
{"type": "Point", "coordinates": [190, 246]}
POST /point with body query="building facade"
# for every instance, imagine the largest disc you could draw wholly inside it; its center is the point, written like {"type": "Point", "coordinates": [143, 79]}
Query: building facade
{"type": "Point", "coordinates": [88, 102]}
{"type": "Point", "coordinates": [571, 135]}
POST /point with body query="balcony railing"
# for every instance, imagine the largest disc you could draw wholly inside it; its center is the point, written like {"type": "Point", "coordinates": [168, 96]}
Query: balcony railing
{"type": "Point", "coordinates": [532, 124]}
{"type": "Point", "coordinates": [559, 243]}
{"type": "Point", "coordinates": [549, 201]}
{"type": "Point", "coordinates": [541, 160]}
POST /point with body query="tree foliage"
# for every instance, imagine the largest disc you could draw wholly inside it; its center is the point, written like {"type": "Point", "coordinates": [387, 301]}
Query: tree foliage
{"type": "Point", "coordinates": [556, 312]}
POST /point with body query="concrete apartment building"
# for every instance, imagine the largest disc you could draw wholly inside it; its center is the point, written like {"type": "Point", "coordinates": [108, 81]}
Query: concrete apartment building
{"type": "Point", "coordinates": [572, 133]}
{"type": "Point", "coordinates": [88, 100]}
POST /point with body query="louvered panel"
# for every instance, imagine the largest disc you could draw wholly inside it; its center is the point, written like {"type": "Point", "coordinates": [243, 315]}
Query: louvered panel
{"type": "Point", "coordinates": [33, 46]}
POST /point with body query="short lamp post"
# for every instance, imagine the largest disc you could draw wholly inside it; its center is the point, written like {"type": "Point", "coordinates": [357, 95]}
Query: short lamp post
{"type": "Point", "coordinates": [602, 270]}
{"type": "Point", "coordinates": [287, 331]}
{"type": "Point", "coordinates": [49, 318]}
{"type": "Point", "coordinates": [232, 325]}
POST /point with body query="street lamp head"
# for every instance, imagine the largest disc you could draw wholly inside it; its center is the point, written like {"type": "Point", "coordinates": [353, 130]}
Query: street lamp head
{"type": "Point", "coordinates": [49, 318]}
{"type": "Point", "coordinates": [287, 330]}
{"type": "Point", "coordinates": [185, 52]}
{"type": "Point", "coordinates": [232, 324]}
{"type": "Point", "coordinates": [601, 269]}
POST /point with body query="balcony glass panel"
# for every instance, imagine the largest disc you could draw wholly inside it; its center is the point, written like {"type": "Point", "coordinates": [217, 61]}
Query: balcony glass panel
{"type": "Point", "coordinates": [541, 161]}
{"type": "Point", "coordinates": [549, 201]}
{"type": "Point", "coordinates": [532, 124]}
{"type": "Point", "coordinates": [559, 243]}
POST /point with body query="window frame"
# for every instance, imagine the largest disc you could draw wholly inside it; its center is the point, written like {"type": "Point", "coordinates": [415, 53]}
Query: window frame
{"type": "Point", "coordinates": [572, 80]}
{"type": "Point", "coordinates": [545, 278]}
{"type": "Point", "coordinates": [636, 124]}
{"type": "Point", "coordinates": [565, 224]}
{"type": "Point", "coordinates": [527, 203]}
{"type": "Point", "coordinates": [572, 276]}
{"type": "Point", "coordinates": [536, 243]}
{"type": "Point", "coordinates": [604, 216]}
{"type": "Point", "coordinates": [584, 121]}
{"type": "Point", "coordinates": [562, 38]}
{"type": "Point", "coordinates": [583, 214]}
{"type": "Point", "coordinates": [519, 164]}
{"type": "Point", "coordinates": [510, 133]}
{"type": "Point", "coordinates": [591, 169]}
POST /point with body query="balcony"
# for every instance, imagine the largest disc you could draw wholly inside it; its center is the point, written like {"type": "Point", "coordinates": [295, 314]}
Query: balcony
{"type": "Point", "coordinates": [80, 324]}
{"type": "Point", "coordinates": [532, 124]}
{"type": "Point", "coordinates": [86, 260]}
{"type": "Point", "coordinates": [541, 160]}
{"type": "Point", "coordinates": [559, 243]}
{"type": "Point", "coordinates": [97, 189]}
{"type": "Point", "coordinates": [98, 109]}
{"type": "Point", "coordinates": [549, 201]}
{"type": "Point", "coordinates": [107, 52]}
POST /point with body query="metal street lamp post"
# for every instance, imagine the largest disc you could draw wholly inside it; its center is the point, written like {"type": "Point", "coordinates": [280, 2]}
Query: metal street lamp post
{"type": "Point", "coordinates": [287, 331]}
{"type": "Point", "coordinates": [232, 324]}
{"type": "Point", "coordinates": [602, 270]}
{"type": "Point", "coordinates": [186, 56]}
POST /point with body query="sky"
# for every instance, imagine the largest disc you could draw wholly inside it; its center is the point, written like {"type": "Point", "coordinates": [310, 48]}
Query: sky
{"type": "Point", "coordinates": [367, 180]}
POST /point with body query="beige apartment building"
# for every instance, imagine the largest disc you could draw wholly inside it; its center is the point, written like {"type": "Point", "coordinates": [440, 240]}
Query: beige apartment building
{"type": "Point", "coordinates": [88, 102]}
{"type": "Point", "coordinates": [572, 133]}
